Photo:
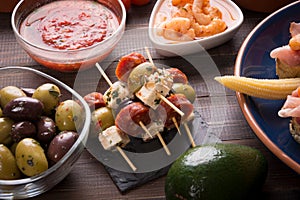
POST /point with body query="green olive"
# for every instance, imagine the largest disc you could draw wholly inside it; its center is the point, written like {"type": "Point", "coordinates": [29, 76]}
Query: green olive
{"type": "Point", "coordinates": [8, 166]}
{"type": "Point", "coordinates": [136, 77]}
{"type": "Point", "coordinates": [13, 148]}
{"type": "Point", "coordinates": [1, 112]}
{"type": "Point", "coordinates": [68, 116]}
{"type": "Point", "coordinates": [5, 130]}
{"type": "Point", "coordinates": [103, 118]}
{"type": "Point", "coordinates": [185, 89]}
{"type": "Point", "coordinates": [48, 94]}
{"type": "Point", "coordinates": [31, 158]}
{"type": "Point", "coordinates": [9, 93]}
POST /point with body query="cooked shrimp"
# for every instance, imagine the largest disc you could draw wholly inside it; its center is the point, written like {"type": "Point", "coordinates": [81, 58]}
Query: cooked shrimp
{"type": "Point", "coordinates": [185, 11]}
{"type": "Point", "coordinates": [181, 2]}
{"type": "Point", "coordinates": [216, 26]}
{"type": "Point", "coordinates": [212, 11]}
{"type": "Point", "coordinates": [178, 28]}
{"type": "Point", "coordinates": [198, 13]}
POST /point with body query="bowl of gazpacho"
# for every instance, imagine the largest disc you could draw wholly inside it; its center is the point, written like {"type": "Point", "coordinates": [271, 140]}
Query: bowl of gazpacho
{"type": "Point", "coordinates": [68, 35]}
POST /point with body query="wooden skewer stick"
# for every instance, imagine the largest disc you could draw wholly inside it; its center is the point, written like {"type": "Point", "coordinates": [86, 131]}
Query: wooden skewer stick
{"type": "Point", "coordinates": [174, 107]}
{"type": "Point", "coordinates": [189, 134]}
{"type": "Point", "coordinates": [126, 158]}
{"type": "Point", "coordinates": [159, 137]}
{"type": "Point", "coordinates": [176, 125]}
{"type": "Point", "coordinates": [165, 99]}
{"type": "Point", "coordinates": [170, 104]}
{"type": "Point", "coordinates": [163, 143]}
{"type": "Point", "coordinates": [117, 147]}
{"type": "Point", "coordinates": [149, 56]}
{"type": "Point", "coordinates": [103, 74]}
{"type": "Point", "coordinates": [145, 129]}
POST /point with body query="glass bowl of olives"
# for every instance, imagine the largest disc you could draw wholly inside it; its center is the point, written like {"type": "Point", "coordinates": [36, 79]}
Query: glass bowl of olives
{"type": "Point", "coordinates": [44, 125]}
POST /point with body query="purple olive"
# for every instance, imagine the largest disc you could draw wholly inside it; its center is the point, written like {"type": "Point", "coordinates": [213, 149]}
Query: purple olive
{"type": "Point", "coordinates": [60, 145]}
{"type": "Point", "coordinates": [23, 109]}
{"type": "Point", "coordinates": [21, 130]}
{"type": "Point", "coordinates": [46, 129]}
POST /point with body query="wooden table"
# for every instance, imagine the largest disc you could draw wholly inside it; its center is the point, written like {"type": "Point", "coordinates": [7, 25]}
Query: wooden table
{"type": "Point", "coordinates": [89, 180]}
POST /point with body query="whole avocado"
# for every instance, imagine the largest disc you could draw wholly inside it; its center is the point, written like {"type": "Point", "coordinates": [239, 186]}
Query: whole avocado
{"type": "Point", "coordinates": [216, 172]}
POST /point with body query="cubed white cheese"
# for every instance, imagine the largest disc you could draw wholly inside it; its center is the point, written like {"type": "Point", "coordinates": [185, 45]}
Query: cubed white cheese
{"type": "Point", "coordinates": [116, 94]}
{"type": "Point", "coordinates": [159, 82]}
{"type": "Point", "coordinates": [113, 136]}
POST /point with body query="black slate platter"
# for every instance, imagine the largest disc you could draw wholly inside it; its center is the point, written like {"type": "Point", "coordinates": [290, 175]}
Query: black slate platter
{"type": "Point", "coordinates": [126, 180]}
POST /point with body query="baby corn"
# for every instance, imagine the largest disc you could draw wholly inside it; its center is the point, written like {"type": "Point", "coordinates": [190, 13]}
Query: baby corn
{"type": "Point", "coordinates": [262, 88]}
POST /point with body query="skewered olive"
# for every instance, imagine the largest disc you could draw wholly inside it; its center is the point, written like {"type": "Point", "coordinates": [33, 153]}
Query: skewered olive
{"type": "Point", "coordinates": [103, 118]}
{"type": "Point", "coordinates": [30, 157]}
{"type": "Point", "coordinates": [23, 108]}
{"type": "Point", "coordinates": [46, 129]}
{"type": "Point", "coordinates": [68, 115]}
{"type": "Point", "coordinates": [48, 94]}
{"type": "Point", "coordinates": [136, 77]}
{"type": "Point", "coordinates": [5, 130]}
{"type": "Point", "coordinates": [60, 145]}
{"type": "Point", "coordinates": [8, 166]}
{"type": "Point", "coordinates": [186, 90]}
{"type": "Point", "coordinates": [9, 93]}
{"type": "Point", "coordinates": [23, 129]}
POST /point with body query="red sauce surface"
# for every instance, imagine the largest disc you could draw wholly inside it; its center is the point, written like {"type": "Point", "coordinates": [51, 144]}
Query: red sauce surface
{"type": "Point", "coordinates": [69, 24]}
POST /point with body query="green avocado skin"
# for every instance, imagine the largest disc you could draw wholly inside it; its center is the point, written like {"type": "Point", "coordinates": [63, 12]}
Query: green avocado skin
{"type": "Point", "coordinates": [216, 172]}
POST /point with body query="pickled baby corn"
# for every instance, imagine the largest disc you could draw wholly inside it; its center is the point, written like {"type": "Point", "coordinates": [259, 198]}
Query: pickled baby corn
{"type": "Point", "coordinates": [262, 88]}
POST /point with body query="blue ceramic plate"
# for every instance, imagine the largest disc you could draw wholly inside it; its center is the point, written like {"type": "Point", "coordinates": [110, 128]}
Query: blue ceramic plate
{"type": "Point", "coordinates": [254, 60]}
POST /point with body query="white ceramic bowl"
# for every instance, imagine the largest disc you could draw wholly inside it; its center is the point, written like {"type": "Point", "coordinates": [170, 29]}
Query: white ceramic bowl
{"type": "Point", "coordinates": [231, 13]}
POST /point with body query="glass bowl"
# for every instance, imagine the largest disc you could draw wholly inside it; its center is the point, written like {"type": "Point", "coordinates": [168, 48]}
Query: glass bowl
{"type": "Point", "coordinates": [63, 59]}
{"type": "Point", "coordinates": [32, 186]}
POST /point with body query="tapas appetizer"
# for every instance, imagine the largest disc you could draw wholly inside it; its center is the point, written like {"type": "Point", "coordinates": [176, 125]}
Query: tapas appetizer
{"type": "Point", "coordinates": [142, 103]}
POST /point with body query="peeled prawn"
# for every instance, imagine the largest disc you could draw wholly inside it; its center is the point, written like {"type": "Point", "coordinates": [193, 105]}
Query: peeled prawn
{"type": "Point", "coordinates": [185, 11]}
{"type": "Point", "coordinates": [178, 28]}
{"type": "Point", "coordinates": [204, 13]}
{"type": "Point", "coordinates": [181, 2]}
{"type": "Point", "coordinates": [199, 15]}
{"type": "Point", "coordinates": [215, 26]}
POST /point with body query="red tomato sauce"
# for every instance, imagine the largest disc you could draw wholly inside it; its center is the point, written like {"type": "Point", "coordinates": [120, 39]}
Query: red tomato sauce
{"type": "Point", "coordinates": [69, 25]}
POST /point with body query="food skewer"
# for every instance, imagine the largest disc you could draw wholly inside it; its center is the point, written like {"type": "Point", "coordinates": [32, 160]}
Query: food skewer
{"type": "Point", "coordinates": [120, 150]}
{"type": "Point", "coordinates": [173, 106]}
{"type": "Point", "coordinates": [104, 74]}
{"type": "Point", "coordinates": [126, 158]}
{"type": "Point", "coordinates": [140, 122]}
{"type": "Point", "coordinates": [176, 125]}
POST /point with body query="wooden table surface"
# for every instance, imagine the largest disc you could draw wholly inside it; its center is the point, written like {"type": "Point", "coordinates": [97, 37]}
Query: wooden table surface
{"type": "Point", "coordinates": [89, 180]}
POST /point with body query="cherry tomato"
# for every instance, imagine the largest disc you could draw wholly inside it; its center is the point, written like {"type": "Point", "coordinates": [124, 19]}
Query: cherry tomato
{"type": "Point", "coordinates": [127, 4]}
{"type": "Point", "coordinates": [140, 2]}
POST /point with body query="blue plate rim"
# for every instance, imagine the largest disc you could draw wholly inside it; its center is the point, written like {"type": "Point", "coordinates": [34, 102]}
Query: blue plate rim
{"type": "Point", "coordinates": [242, 98]}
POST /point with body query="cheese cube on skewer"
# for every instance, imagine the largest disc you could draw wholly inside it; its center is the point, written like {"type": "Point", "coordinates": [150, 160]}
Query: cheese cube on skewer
{"type": "Point", "coordinates": [159, 82]}
{"type": "Point", "coordinates": [112, 137]}
{"type": "Point", "coordinates": [116, 94]}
